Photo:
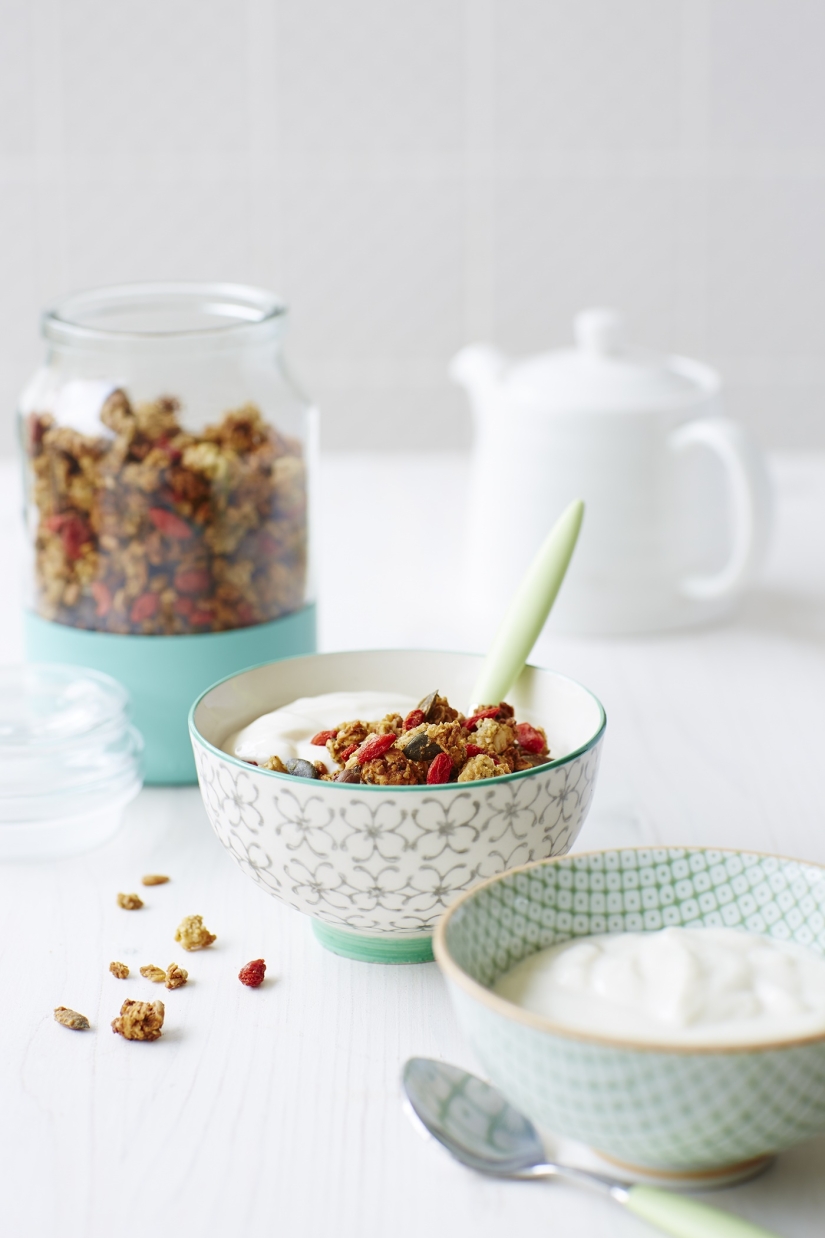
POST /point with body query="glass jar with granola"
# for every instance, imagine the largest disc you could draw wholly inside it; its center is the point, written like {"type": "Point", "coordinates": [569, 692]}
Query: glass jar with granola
{"type": "Point", "coordinates": [167, 469]}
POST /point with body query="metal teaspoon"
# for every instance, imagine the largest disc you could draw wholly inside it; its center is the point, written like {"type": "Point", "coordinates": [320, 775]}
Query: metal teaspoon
{"type": "Point", "coordinates": [478, 1127]}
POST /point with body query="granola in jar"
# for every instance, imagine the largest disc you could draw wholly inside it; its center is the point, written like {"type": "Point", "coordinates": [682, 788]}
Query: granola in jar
{"type": "Point", "coordinates": [148, 528]}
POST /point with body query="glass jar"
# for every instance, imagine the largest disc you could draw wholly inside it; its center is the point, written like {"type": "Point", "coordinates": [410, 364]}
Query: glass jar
{"type": "Point", "coordinates": [168, 462]}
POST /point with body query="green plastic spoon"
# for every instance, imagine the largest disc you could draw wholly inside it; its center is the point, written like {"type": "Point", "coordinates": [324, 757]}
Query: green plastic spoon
{"type": "Point", "coordinates": [528, 611]}
{"type": "Point", "coordinates": [478, 1127]}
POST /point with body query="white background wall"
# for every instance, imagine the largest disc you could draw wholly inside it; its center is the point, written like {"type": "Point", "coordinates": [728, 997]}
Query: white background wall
{"type": "Point", "coordinates": [413, 174]}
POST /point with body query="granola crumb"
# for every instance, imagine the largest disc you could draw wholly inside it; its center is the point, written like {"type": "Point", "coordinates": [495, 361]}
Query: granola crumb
{"type": "Point", "coordinates": [139, 1020]}
{"type": "Point", "coordinates": [275, 764]}
{"type": "Point", "coordinates": [70, 1018]}
{"type": "Point", "coordinates": [437, 708]}
{"type": "Point", "coordinates": [156, 974]}
{"type": "Point", "coordinates": [494, 737]}
{"type": "Point", "coordinates": [193, 934]}
{"type": "Point", "coordinates": [154, 879]}
{"type": "Point", "coordinates": [176, 977]}
{"type": "Point", "coordinates": [391, 769]}
{"type": "Point", "coordinates": [129, 902]}
{"type": "Point", "coordinates": [348, 736]}
{"type": "Point", "coordinates": [479, 766]}
{"type": "Point", "coordinates": [119, 970]}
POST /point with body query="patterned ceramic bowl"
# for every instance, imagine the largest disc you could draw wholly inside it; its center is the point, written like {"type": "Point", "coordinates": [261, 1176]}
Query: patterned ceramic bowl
{"type": "Point", "coordinates": [375, 867]}
{"type": "Point", "coordinates": [681, 1111]}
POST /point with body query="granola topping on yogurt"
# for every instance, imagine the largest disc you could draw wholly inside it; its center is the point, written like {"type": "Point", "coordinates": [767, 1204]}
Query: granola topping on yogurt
{"type": "Point", "coordinates": [410, 744]}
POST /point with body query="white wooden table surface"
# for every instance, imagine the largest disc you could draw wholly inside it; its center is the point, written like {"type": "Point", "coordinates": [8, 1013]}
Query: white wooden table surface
{"type": "Point", "coordinates": [277, 1111]}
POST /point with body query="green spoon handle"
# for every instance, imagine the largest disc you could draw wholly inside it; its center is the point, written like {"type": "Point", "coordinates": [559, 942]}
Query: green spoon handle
{"type": "Point", "coordinates": [528, 610]}
{"type": "Point", "coordinates": [687, 1218]}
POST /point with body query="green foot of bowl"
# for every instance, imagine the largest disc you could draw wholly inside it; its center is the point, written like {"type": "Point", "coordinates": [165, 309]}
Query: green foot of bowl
{"type": "Point", "coordinates": [375, 948]}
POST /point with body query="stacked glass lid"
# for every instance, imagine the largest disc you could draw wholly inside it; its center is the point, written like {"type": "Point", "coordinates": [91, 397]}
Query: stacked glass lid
{"type": "Point", "coordinates": [69, 760]}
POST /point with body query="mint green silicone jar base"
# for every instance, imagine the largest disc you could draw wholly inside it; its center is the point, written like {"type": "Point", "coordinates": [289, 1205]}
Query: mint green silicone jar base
{"type": "Point", "coordinates": [165, 674]}
{"type": "Point", "coordinates": [366, 948]}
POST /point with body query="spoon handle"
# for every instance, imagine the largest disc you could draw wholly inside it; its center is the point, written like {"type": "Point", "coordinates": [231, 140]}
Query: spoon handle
{"type": "Point", "coordinates": [687, 1218]}
{"type": "Point", "coordinates": [528, 610]}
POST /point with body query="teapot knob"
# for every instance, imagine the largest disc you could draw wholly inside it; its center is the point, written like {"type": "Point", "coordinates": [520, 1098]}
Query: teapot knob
{"type": "Point", "coordinates": [477, 366]}
{"type": "Point", "coordinates": [599, 331]}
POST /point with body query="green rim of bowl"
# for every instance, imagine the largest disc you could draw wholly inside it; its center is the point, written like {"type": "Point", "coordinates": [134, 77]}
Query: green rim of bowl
{"type": "Point", "coordinates": [454, 972]}
{"type": "Point", "coordinates": [365, 786]}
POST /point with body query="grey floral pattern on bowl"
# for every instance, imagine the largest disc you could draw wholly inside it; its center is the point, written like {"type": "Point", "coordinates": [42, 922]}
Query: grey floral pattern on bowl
{"type": "Point", "coordinates": [378, 862]}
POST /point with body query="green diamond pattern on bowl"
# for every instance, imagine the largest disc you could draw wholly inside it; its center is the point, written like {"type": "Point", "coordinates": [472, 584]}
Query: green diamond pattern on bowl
{"type": "Point", "coordinates": [671, 1109]}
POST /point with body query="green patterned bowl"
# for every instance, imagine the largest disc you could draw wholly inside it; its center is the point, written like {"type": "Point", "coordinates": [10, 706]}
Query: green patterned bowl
{"type": "Point", "coordinates": [677, 1111]}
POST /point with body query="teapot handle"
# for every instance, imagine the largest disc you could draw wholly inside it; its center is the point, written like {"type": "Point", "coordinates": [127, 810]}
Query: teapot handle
{"type": "Point", "coordinates": [751, 503]}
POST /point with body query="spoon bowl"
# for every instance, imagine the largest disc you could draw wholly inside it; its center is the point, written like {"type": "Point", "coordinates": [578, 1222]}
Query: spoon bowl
{"type": "Point", "coordinates": [471, 1119]}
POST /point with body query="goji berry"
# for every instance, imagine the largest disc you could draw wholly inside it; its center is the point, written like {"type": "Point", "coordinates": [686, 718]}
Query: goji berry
{"type": "Point", "coordinates": [102, 596]}
{"type": "Point", "coordinates": [184, 606]}
{"type": "Point", "coordinates": [492, 712]}
{"type": "Point", "coordinates": [144, 607]}
{"type": "Point", "coordinates": [252, 975]}
{"type": "Point", "coordinates": [473, 750]}
{"type": "Point", "coordinates": [529, 738]}
{"type": "Point", "coordinates": [374, 746]}
{"type": "Point", "coordinates": [347, 753]}
{"type": "Point", "coordinates": [192, 580]}
{"type": "Point", "coordinates": [268, 545]}
{"type": "Point", "coordinates": [440, 770]}
{"type": "Point", "coordinates": [320, 740]}
{"type": "Point", "coordinates": [414, 718]}
{"type": "Point", "coordinates": [55, 523]}
{"type": "Point", "coordinates": [174, 454]}
{"type": "Point", "coordinates": [200, 617]}
{"type": "Point", "coordinates": [74, 534]}
{"type": "Point", "coordinates": [36, 428]}
{"type": "Point", "coordinates": [169, 524]}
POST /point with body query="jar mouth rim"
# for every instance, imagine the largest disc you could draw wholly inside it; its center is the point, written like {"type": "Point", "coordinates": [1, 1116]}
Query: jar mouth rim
{"type": "Point", "coordinates": [124, 313]}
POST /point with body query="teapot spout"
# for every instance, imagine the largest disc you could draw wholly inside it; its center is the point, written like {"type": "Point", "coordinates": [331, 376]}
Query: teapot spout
{"type": "Point", "coordinates": [477, 367]}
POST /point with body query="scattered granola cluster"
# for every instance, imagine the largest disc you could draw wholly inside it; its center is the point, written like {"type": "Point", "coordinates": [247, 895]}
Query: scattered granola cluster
{"type": "Point", "coordinates": [129, 902]}
{"type": "Point", "coordinates": [139, 1020]}
{"type": "Point", "coordinates": [174, 977]}
{"type": "Point", "coordinates": [156, 974]}
{"type": "Point", "coordinates": [120, 971]}
{"type": "Point", "coordinates": [433, 744]}
{"type": "Point", "coordinates": [193, 934]}
{"type": "Point", "coordinates": [70, 1018]}
{"type": "Point", "coordinates": [154, 530]}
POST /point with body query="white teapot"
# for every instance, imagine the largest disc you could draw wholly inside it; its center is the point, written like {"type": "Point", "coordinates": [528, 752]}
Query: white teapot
{"type": "Point", "coordinates": [677, 496]}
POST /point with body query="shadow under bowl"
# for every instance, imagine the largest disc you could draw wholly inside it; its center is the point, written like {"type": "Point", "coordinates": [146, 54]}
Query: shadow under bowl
{"type": "Point", "coordinates": [375, 867]}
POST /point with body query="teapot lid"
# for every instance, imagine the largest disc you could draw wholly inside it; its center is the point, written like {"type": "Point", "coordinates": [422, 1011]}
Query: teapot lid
{"type": "Point", "coordinates": [602, 374]}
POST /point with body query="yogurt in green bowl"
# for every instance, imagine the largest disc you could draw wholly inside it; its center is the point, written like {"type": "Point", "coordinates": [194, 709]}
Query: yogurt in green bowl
{"type": "Point", "coordinates": [709, 1082]}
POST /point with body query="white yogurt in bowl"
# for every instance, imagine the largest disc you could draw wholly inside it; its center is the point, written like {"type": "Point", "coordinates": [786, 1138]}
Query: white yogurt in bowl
{"type": "Point", "coordinates": [683, 986]}
{"type": "Point", "coordinates": [288, 731]}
